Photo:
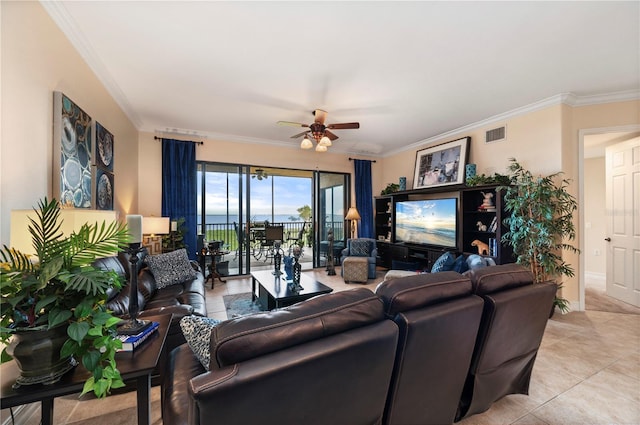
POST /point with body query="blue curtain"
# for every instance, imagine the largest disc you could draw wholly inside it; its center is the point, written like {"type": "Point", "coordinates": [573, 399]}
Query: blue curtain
{"type": "Point", "coordinates": [179, 187]}
{"type": "Point", "coordinates": [364, 197]}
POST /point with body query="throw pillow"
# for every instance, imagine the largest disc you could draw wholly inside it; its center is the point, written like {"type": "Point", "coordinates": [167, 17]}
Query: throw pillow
{"type": "Point", "coordinates": [197, 332]}
{"type": "Point", "coordinates": [460, 265]}
{"type": "Point", "coordinates": [359, 248]}
{"type": "Point", "coordinates": [170, 268]}
{"type": "Point", "coordinates": [444, 263]}
{"type": "Point", "coordinates": [475, 261]}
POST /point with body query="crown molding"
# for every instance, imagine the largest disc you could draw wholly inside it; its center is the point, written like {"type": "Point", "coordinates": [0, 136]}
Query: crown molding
{"type": "Point", "coordinates": [67, 25]}
{"type": "Point", "coordinates": [569, 99]}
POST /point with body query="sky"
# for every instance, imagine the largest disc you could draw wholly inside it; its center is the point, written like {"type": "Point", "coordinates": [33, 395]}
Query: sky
{"type": "Point", "coordinates": [291, 193]}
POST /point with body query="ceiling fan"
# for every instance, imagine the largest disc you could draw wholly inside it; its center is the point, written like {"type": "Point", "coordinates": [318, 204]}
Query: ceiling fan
{"type": "Point", "coordinates": [319, 131]}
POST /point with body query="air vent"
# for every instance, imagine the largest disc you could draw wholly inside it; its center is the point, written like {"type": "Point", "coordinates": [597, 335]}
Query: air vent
{"type": "Point", "coordinates": [496, 134]}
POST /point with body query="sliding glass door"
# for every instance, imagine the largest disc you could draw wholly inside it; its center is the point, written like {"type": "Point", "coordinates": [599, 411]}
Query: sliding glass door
{"type": "Point", "coordinates": [239, 205]}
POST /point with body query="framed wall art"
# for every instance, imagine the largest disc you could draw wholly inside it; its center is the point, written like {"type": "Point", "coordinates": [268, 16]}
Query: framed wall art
{"type": "Point", "coordinates": [72, 155]}
{"type": "Point", "coordinates": [103, 189]}
{"type": "Point", "coordinates": [104, 148]}
{"type": "Point", "coordinates": [441, 165]}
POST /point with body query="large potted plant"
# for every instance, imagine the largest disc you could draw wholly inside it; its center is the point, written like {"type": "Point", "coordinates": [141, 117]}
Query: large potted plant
{"type": "Point", "coordinates": [59, 297]}
{"type": "Point", "coordinates": [540, 224]}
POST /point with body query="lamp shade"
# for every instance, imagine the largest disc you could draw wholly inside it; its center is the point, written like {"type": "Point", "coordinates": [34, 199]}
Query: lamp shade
{"type": "Point", "coordinates": [352, 214]}
{"type": "Point", "coordinates": [155, 225]}
{"type": "Point", "coordinates": [72, 220]}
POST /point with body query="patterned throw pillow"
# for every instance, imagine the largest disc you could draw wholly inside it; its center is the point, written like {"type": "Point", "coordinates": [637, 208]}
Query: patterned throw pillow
{"type": "Point", "coordinates": [197, 332]}
{"type": "Point", "coordinates": [171, 268]}
{"type": "Point", "coordinates": [359, 248]}
{"type": "Point", "coordinates": [444, 263]}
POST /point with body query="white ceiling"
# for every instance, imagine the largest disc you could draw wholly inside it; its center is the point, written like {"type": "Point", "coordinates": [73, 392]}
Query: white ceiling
{"type": "Point", "coordinates": [407, 71]}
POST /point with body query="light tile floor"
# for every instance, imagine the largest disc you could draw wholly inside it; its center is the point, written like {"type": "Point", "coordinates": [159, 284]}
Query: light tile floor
{"type": "Point", "coordinates": [587, 372]}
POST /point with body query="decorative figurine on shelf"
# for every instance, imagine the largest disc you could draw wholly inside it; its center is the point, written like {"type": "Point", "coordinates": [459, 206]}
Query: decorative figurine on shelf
{"type": "Point", "coordinates": [481, 226]}
{"type": "Point", "coordinates": [297, 269]}
{"type": "Point", "coordinates": [483, 248]}
{"type": "Point", "coordinates": [331, 271]}
{"type": "Point", "coordinates": [487, 202]}
{"type": "Point", "coordinates": [277, 257]}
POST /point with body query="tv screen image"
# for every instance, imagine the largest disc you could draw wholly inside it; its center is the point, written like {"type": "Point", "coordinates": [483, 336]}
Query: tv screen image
{"type": "Point", "coordinates": [427, 222]}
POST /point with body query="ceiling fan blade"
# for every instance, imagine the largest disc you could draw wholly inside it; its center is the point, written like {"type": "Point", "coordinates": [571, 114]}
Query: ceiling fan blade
{"type": "Point", "coordinates": [330, 135]}
{"type": "Point", "coordinates": [300, 134]}
{"type": "Point", "coordinates": [320, 115]}
{"type": "Point", "coordinates": [294, 124]}
{"type": "Point", "coordinates": [344, 126]}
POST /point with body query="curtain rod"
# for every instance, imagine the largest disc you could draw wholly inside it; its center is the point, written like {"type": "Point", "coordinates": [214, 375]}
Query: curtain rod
{"type": "Point", "coordinates": [186, 141]}
{"type": "Point", "coordinates": [370, 160]}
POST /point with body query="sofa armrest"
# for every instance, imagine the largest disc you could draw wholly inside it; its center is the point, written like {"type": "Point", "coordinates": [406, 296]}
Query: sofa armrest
{"type": "Point", "coordinates": [178, 311]}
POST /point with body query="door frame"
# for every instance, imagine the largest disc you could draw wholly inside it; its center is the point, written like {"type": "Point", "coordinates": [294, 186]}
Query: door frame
{"type": "Point", "coordinates": [581, 223]}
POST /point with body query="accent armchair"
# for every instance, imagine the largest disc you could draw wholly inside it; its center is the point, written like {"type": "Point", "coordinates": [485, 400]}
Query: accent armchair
{"type": "Point", "coordinates": [361, 247]}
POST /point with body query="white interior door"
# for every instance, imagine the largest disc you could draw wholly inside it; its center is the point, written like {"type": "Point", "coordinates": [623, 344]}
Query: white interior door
{"type": "Point", "coordinates": [623, 224]}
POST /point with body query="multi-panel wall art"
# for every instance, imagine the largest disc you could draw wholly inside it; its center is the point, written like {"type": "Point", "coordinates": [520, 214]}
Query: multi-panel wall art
{"type": "Point", "coordinates": [82, 157]}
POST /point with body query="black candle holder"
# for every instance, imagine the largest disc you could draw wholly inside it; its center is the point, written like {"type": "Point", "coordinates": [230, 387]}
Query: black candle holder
{"type": "Point", "coordinates": [133, 326]}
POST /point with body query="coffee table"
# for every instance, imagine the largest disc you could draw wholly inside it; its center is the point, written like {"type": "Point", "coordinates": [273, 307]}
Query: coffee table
{"type": "Point", "coordinates": [135, 366]}
{"type": "Point", "coordinates": [274, 292]}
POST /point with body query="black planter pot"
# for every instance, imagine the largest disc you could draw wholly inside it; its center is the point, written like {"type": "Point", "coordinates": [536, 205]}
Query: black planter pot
{"type": "Point", "coordinates": [37, 353]}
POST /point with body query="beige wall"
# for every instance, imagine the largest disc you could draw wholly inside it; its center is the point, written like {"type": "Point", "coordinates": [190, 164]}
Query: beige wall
{"type": "Point", "coordinates": [150, 170]}
{"type": "Point", "coordinates": [534, 139]}
{"type": "Point", "coordinates": [37, 59]}
{"type": "Point", "coordinates": [595, 225]}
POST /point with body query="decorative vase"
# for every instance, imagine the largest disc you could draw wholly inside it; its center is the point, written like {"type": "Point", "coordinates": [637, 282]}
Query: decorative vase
{"type": "Point", "coordinates": [37, 354]}
{"type": "Point", "coordinates": [403, 183]}
{"type": "Point", "coordinates": [470, 171]}
{"type": "Point", "coordinates": [288, 266]}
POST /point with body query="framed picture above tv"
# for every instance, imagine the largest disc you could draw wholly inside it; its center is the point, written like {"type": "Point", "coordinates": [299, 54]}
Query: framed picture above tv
{"type": "Point", "coordinates": [441, 165]}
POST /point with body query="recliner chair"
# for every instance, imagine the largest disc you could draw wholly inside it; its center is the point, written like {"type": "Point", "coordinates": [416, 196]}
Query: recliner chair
{"type": "Point", "coordinates": [327, 360]}
{"type": "Point", "coordinates": [438, 317]}
{"type": "Point", "coordinates": [515, 314]}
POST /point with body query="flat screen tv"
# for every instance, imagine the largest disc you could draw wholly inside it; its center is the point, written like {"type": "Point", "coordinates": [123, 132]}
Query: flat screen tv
{"type": "Point", "coordinates": [427, 222]}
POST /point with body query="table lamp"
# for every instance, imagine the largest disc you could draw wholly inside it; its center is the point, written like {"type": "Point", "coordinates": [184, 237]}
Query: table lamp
{"type": "Point", "coordinates": [353, 215]}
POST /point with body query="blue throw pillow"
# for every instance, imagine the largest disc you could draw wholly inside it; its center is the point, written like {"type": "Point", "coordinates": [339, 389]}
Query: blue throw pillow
{"type": "Point", "coordinates": [460, 265]}
{"type": "Point", "coordinates": [444, 263]}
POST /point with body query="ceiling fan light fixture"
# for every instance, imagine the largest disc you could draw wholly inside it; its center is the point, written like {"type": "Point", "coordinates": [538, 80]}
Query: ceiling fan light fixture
{"type": "Point", "coordinates": [325, 141]}
{"type": "Point", "coordinates": [320, 148]}
{"type": "Point", "coordinates": [306, 143]}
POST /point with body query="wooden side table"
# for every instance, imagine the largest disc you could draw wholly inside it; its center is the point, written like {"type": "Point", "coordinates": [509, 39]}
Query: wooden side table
{"type": "Point", "coordinates": [136, 366]}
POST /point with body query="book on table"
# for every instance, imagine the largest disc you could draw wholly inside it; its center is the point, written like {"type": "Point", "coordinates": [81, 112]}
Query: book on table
{"type": "Point", "coordinates": [131, 342]}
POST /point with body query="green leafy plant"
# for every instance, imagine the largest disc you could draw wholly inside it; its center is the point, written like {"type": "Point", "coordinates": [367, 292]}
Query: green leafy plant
{"type": "Point", "coordinates": [540, 222]}
{"type": "Point", "coordinates": [482, 179]}
{"type": "Point", "coordinates": [391, 187]}
{"type": "Point", "coordinates": [61, 287]}
{"type": "Point", "coordinates": [175, 239]}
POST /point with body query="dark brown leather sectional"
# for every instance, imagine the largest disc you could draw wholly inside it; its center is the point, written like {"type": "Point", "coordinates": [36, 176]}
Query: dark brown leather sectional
{"type": "Point", "coordinates": [425, 349]}
{"type": "Point", "coordinates": [181, 300]}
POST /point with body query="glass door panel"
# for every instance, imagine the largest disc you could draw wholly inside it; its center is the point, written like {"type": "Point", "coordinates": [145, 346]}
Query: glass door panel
{"type": "Point", "coordinates": [332, 195]}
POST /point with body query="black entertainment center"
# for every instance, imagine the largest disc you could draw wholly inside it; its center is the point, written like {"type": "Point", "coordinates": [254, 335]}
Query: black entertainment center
{"type": "Point", "coordinates": [418, 226]}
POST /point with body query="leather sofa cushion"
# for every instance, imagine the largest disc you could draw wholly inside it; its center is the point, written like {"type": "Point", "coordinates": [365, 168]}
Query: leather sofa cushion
{"type": "Point", "coordinates": [120, 303]}
{"type": "Point", "coordinates": [420, 290]}
{"type": "Point", "coordinates": [488, 280]}
{"type": "Point", "coordinates": [254, 335]}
